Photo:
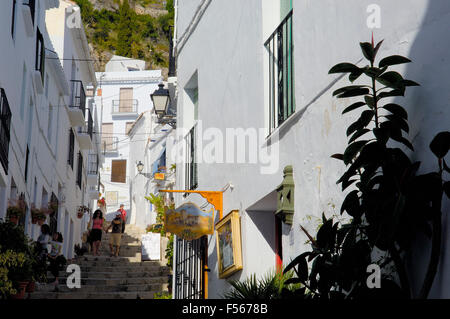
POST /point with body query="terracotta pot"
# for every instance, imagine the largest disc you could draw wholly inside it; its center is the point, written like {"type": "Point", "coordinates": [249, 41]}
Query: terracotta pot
{"type": "Point", "coordinates": [21, 290]}
{"type": "Point", "coordinates": [34, 220]}
{"type": "Point", "coordinates": [31, 286]}
{"type": "Point", "coordinates": [80, 215]}
{"type": "Point", "coordinates": [41, 222]}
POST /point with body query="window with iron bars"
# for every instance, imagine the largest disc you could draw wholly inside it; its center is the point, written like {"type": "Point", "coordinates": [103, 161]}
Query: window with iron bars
{"type": "Point", "coordinates": [71, 147]}
{"type": "Point", "coordinates": [5, 122]}
{"type": "Point", "coordinates": [80, 169]}
{"type": "Point", "coordinates": [40, 54]}
{"type": "Point", "coordinates": [191, 177]}
{"type": "Point", "coordinates": [13, 18]}
{"type": "Point", "coordinates": [280, 48]}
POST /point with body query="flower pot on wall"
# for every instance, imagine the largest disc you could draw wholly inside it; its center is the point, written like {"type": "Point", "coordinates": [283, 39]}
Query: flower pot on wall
{"type": "Point", "coordinates": [41, 222]}
{"type": "Point", "coordinates": [20, 291]}
{"type": "Point", "coordinates": [31, 286]}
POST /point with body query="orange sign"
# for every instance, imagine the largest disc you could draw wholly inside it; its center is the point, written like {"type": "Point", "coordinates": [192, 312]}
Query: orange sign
{"type": "Point", "coordinates": [159, 176]}
{"type": "Point", "coordinates": [99, 92]}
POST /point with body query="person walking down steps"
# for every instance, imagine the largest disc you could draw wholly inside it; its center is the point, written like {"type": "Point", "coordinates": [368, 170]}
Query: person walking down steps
{"type": "Point", "coordinates": [123, 213]}
{"type": "Point", "coordinates": [116, 236]}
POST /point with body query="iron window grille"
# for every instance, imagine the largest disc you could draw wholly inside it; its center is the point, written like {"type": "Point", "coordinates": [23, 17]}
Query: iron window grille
{"type": "Point", "coordinates": [110, 144]}
{"type": "Point", "coordinates": [124, 106]}
{"type": "Point", "coordinates": [13, 18]}
{"type": "Point", "coordinates": [5, 123]}
{"type": "Point", "coordinates": [89, 125]}
{"type": "Point", "coordinates": [80, 169]}
{"type": "Point", "coordinates": [189, 269]}
{"type": "Point", "coordinates": [92, 164]}
{"type": "Point", "coordinates": [71, 148]}
{"type": "Point", "coordinates": [78, 96]}
{"type": "Point", "coordinates": [26, 164]}
{"type": "Point", "coordinates": [191, 176]}
{"type": "Point", "coordinates": [280, 48]}
{"type": "Point", "coordinates": [40, 54]}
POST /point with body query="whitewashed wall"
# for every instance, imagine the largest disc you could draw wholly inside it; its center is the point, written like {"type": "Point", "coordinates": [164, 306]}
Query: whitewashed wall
{"type": "Point", "coordinates": [47, 136]}
{"type": "Point", "coordinates": [143, 83]}
{"type": "Point", "coordinates": [226, 50]}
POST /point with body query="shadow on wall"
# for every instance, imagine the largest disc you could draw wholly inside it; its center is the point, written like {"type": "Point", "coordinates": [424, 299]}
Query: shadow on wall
{"type": "Point", "coordinates": [428, 107]}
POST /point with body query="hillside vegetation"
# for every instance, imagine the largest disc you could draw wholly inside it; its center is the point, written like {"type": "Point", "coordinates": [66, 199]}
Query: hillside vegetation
{"type": "Point", "coordinates": [131, 28]}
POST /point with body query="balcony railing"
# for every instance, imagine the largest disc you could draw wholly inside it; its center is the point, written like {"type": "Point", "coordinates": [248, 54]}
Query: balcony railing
{"type": "Point", "coordinates": [78, 96]}
{"type": "Point", "coordinates": [110, 144]}
{"type": "Point", "coordinates": [71, 148]}
{"type": "Point", "coordinates": [89, 125]}
{"type": "Point", "coordinates": [124, 106]}
{"type": "Point", "coordinates": [5, 122]}
{"type": "Point", "coordinates": [92, 164]}
{"type": "Point", "coordinates": [281, 73]}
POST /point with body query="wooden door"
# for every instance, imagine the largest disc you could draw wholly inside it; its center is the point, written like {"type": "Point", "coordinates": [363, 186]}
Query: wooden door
{"type": "Point", "coordinates": [119, 171]}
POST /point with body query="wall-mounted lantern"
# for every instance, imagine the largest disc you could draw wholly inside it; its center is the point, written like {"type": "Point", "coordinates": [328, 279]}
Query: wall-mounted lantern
{"type": "Point", "coordinates": [285, 197]}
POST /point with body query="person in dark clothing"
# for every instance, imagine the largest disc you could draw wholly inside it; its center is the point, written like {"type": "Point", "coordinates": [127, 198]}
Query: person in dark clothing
{"type": "Point", "coordinates": [123, 213]}
{"type": "Point", "coordinates": [114, 240]}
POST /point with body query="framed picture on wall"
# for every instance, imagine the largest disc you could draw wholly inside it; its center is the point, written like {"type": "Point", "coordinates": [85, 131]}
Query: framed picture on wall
{"type": "Point", "coordinates": [228, 242]}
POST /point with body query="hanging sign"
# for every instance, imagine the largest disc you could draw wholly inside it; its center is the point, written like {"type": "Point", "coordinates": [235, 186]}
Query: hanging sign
{"type": "Point", "coordinates": [159, 176]}
{"type": "Point", "coordinates": [189, 222]}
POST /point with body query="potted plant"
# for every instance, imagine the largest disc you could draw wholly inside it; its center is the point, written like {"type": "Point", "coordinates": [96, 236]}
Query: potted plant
{"type": "Point", "coordinates": [15, 211]}
{"type": "Point", "coordinates": [81, 211]}
{"type": "Point", "coordinates": [101, 202]}
{"type": "Point", "coordinates": [37, 215]}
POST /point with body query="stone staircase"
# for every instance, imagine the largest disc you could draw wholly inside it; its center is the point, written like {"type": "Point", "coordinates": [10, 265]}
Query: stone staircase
{"type": "Point", "coordinates": [104, 277]}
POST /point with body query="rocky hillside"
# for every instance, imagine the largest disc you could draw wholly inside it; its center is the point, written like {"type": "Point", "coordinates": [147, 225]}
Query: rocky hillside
{"type": "Point", "coordinates": [132, 28]}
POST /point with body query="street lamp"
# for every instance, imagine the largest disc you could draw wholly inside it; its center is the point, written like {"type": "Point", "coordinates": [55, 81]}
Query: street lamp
{"type": "Point", "coordinates": [140, 167]}
{"type": "Point", "coordinates": [161, 100]}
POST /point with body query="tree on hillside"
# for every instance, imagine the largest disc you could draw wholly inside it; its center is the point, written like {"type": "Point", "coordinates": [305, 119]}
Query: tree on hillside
{"type": "Point", "coordinates": [127, 26]}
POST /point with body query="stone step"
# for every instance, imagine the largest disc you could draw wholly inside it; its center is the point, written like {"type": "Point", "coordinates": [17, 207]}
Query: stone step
{"type": "Point", "coordinates": [110, 282]}
{"type": "Point", "coordinates": [123, 269]}
{"type": "Point", "coordinates": [112, 275]}
{"type": "Point", "coordinates": [93, 295]}
{"type": "Point", "coordinates": [106, 258]}
{"type": "Point", "coordinates": [157, 286]}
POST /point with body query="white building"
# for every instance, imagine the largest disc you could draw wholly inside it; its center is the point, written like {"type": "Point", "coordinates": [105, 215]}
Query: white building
{"type": "Point", "coordinates": [40, 162]}
{"type": "Point", "coordinates": [125, 89]}
{"type": "Point", "coordinates": [150, 144]}
{"type": "Point", "coordinates": [224, 74]}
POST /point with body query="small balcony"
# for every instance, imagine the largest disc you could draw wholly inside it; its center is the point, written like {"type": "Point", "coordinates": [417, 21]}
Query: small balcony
{"type": "Point", "coordinates": [5, 122]}
{"type": "Point", "coordinates": [85, 133]}
{"type": "Point", "coordinates": [125, 107]}
{"type": "Point", "coordinates": [93, 192]}
{"type": "Point", "coordinates": [77, 105]}
{"type": "Point", "coordinates": [92, 171]}
{"type": "Point", "coordinates": [110, 145]}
